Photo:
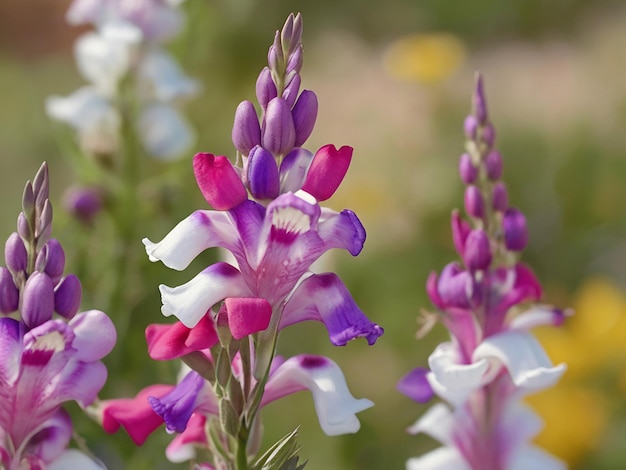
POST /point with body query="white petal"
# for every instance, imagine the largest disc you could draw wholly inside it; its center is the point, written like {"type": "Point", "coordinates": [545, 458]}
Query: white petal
{"type": "Point", "coordinates": [166, 78]}
{"type": "Point", "coordinates": [191, 301]}
{"type": "Point", "coordinates": [86, 109]}
{"type": "Point", "coordinates": [437, 422]}
{"type": "Point", "coordinates": [190, 237]}
{"type": "Point", "coordinates": [164, 132]}
{"type": "Point", "coordinates": [520, 424]}
{"type": "Point", "coordinates": [335, 405]}
{"type": "Point", "coordinates": [453, 381]}
{"type": "Point", "coordinates": [72, 459]}
{"type": "Point", "coordinates": [524, 358]}
{"type": "Point", "coordinates": [532, 457]}
{"type": "Point", "coordinates": [443, 458]}
{"type": "Point", "coordinates": [534, 317]}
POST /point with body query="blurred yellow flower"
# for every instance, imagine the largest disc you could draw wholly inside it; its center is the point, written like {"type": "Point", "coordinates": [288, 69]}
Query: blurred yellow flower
{"type": "Point", "coordinates": [591, 342]}
{"type": "Point", "coordinates": [427, 57]}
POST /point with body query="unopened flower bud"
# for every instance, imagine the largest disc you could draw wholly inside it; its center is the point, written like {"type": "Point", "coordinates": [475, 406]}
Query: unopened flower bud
{"type": "Point", "coordinates": [265, 88]}
{"type": "Point", "coordinates": [294, 63]}
{"type": "Point", "coordinates": [474, 202]}
{"type": "Point", "coordinates": [37, 300]}
{"type": "Point", "coordinates": [278, 134]}
{"type": "Point", "coordinates": [467, 170]}
{"type": "Point", "coordinates": [500, 197]}
{"type": "Point", "coordinates": [275, 54]}
{"type": "Point", "coordinates": [246, 130]}
{"type": "Point", "coordinates": [469, 126]}
{"type": "Point", "coordinates": [15, 256]}
{"type": "Point", "coordinates": [23, 227]}
{"type": "Point", "coordinates": [83, 203]}
{"type": "Point", "coordinates": [489, 135]}
{"type": "Point", "coordinates": [9, 294]}
{"type": "Point", "coordinates": [262, 174]}
{"type": "Point", "coordinates": [479, 101]}
{"type": "Point", "coordinates": [293, 169]}
{"type": "Point", "coordinates": [304, 115]}
{"type": "Point", "coordinates": [327, 170]}
{"type": "Point", "coordinates": [218, 181]}
{"type": "Point", "coordinates": [493, 164]}
{"type": "Point", "coordinates": [477, 254]}
{"type": "Point", "coordinates": [55, 260]}
{"type": "Point", "coordinates": [515, 230]}
{"type": "Point", "coordinates": [67, 296]}
{"type": "Point", "coordinates": [290, 93]}
{"type": "Point", "coordinates": [455, 286]}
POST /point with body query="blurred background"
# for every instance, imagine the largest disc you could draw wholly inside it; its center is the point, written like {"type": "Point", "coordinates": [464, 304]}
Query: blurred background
{"type": "Point", "coordinates": [394, 80]}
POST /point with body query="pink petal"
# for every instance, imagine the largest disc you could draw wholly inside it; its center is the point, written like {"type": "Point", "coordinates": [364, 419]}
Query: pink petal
{"type": "Point", "coordinates": [247, 315]}
{"type": "Point", "coordinates": [218, 181]}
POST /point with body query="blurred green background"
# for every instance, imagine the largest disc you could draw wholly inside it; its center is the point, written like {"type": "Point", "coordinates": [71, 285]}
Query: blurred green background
{"type": "Point", "coordinates": [393, 79]}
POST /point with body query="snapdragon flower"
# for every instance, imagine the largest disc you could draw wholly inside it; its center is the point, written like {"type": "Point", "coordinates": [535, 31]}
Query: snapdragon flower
{"type": "Point", "coordinates": [50, 352]}
{"type": "Point", "coordinates": [126, 47]}
{"type": "Point", "coordinates": [267, 216]}
{"type": "Point", "coordinates": [492, 360]}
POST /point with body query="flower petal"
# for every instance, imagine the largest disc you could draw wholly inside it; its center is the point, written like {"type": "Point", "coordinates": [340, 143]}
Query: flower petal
{"type": "Point", "coordinates": [10, 351]}
{"type": "Point", "coordinates": [190, 237]}
{"type": "Point", "coordinates": [521, 354]}
{"type": "Point", "coordinates": [73, 458]}
{"type": "Point", "coordinates": [166, 342]}
{"type": "Point", "coordinates": [537, 316]}
{"type": "Point", "coordinates": [50, 440]}
{"type": "Point", "coordinates": [443, 458]}
{"type": "Point", "coordinates": [335, 405]}
{"type": "Point", "coordinates": [437, 422]}
{"type": "Point", "coordinates": [415, 385]}
{"type": "Point", "coordinates": [86, 108]}
{"type": "Point", "coordinates": [247, 316]}
{"type": "Point", "coordinates": [166, 77]}
{"type": "Point", "coordinates": [183, 446]}
{"type": "Point", "coordinates": [341, 230]}
{"type": "Point", "coordinates": [164, 132]}
{"type": "Point", "coordinates": [95, 335]}
{"type": "Point", "coordinates": [191, 301]}
{"type": "Point", "coordinates": [530, 456]}
{"type": "Point", "coordinates": [323, 297]}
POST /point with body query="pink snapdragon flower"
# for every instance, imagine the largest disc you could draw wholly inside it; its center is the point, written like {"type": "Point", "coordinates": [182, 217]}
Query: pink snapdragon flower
{"type": "Point", "coordinates": [492, 360]}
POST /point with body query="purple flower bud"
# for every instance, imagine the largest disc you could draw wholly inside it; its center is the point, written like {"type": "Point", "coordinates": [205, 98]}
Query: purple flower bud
{"type": "Point", "coordinates": [304, 115]}
{"type": "Point", "coordinates": [295, 61]}
{"type": "Point", "coordinates": [278, 134]}
{"type": "Point", "coordinates": [83, 203]}
{"type": "Point", "coordinates": [500, 197]}
{"type": "Point", "coordinates": [67, 296]}
{"type": "Point", "coordinates": [246, 130]}
{"type": "Point", "coordinates": [474, 202]}
{"type": "Point", "coordinates": [23, 227]}
{"type": "Point", "coordinates": [55, 260]}
{"type": "Point", "coordinates": [262, 174]}
{"type": "Point", "coordinates": [291, 34]}
{"type": "Point", "coordinates": [415, 385]}
{"type": "Point", "coordinates": [290, 93]}
{"type": "Point", "coordinates": [265, 88]}
{"type": "Point", "coordinates": [15, 256]}
{"type": "Point", "coordinates": [493, 163]}
{"type": "Point", "coordinates": [275, 54]}
{"type": "Point", "coordinates": [455, 286]}
{"type": "Point", "coordinates": [479, 101]}
{"type": "Point", "coordinates": [489, 135]}
{"type": "Point", "coordinates": [467, 170]}
{"type": "Point", "coordinates": [460, 231]}
{"type": "Point", "coordinates": [37, 300]}
{"type": "Point", "coordinates": [9, 294]}
{"type": "Point", "coordinates": [44, 224]}
{"type": "Point", "coordinates": [477, 254]}
{"type": "Point", "coordinates": [469, 126]}
{"type": "Point", "coordinates": [515, 229]}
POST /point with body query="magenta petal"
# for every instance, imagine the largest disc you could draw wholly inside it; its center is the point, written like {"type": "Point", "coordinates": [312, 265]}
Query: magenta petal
{"type": "Point", "coordinates": [218, 181]}
{"type": "Point", "coordinates": [323, 297]}
{"type": "Point", "coordinates": [415, 385]}
{"type": "Point", "coordinates": [460, 231]}
{"type": "Point", "coordinates": [166, 342]}
{"type": "Point", "coordinates": [247, 315]}
{"type": "Point", "coordinates": [134, 414]}
{"type": "Point", "coordinates": [327, 170]}
{"type": "Point", "coordinates": [182, 447]}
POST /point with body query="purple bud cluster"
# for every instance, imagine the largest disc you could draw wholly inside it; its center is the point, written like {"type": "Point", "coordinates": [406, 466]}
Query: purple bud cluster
{"type": "Point", "coordinates": [498, 227]}
{"type": "Point", "coordinates": [32, 283]}
{"type": "Point", "coordinates": [287, 116]}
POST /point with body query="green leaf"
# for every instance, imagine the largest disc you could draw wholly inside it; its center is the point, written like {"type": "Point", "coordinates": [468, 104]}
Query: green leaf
{"type": "Point", "coordinates": [282, 455]}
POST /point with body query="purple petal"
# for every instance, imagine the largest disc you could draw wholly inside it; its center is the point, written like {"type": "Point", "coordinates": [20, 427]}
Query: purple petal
{"type": "Point", "coordinates": [342, 230]}
{"type": "Point", "coordinates": [37, 300]}
{"type": "Point", "coordinates": [191, 301]}
{"type": "Point", "coordinates": [10, 350]}
{"type": "Point", "coordinates": [177, 406]}
{"type": "Point", "coordinates": [293, 169]}
{"type": "Point", "coordinates": [95, 335]}
{"type": "Point", "coordinates": [415, 385]}
{"type": "Point", "coordinates": [304, 116]}
{"type": "Point", "coordinates": [455, 286]}
{"type": "Point", "coordinates": [67, 296]}
{"type": "Point", "coordinates": [53, 436]}
{"type": "Point", "coordinates": [323, 297]}
{"type": "Point", "coordinates": [515, 230]}
{"type": "Point", "coordinates": [265, 87]}
{"type": "Point", "coordinates": [262, 174]}
{"type": "Point", "coordinates": [246, 129]}
{"type": "Point", "coordinates": [335, 405]}
{"type": "Point", "coordinates": [278, 131]}
{"type": "Point", "coordinates": [9, 294]}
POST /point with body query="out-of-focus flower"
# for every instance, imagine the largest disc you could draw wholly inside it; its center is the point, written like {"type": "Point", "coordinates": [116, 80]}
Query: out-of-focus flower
{"type": "Point", "coordinates": [592, 342]}
{"type": "Point", "coordinates": [427, 57]}
{"type": "Point", "coordinates": [45, 361]}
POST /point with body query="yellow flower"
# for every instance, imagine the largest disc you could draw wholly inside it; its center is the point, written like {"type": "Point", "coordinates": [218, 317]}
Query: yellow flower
{"type": "Point", "coordinates": [427, 58]}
